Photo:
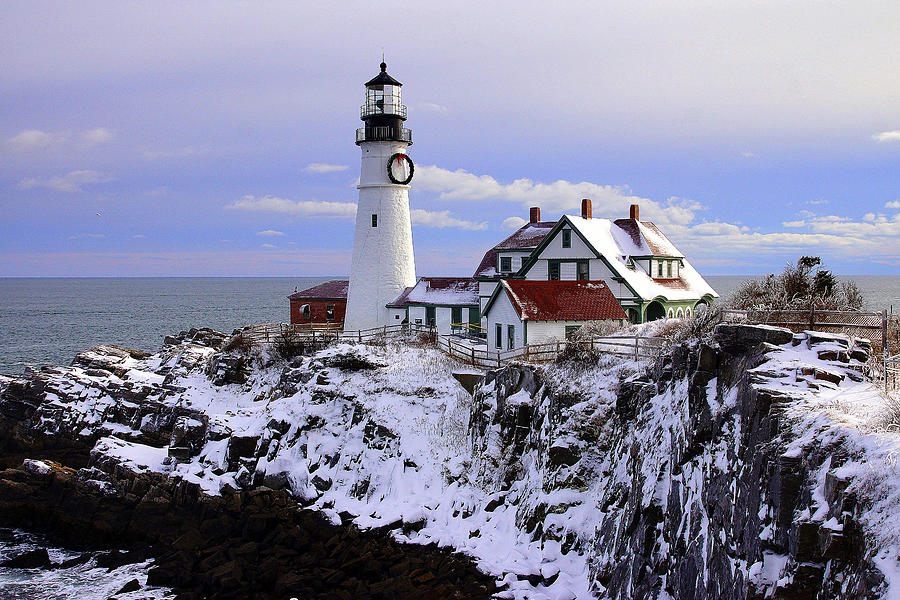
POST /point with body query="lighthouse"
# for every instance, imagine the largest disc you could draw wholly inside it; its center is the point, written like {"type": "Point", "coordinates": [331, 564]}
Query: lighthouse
{"type": "Point", "coordinates": [383, 265]}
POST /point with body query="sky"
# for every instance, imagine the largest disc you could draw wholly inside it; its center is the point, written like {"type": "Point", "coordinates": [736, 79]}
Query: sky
{"type": "Point", "coordinates": [217, 138]}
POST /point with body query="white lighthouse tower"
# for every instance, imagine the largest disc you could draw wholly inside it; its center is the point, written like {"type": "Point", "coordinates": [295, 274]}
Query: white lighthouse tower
{"type": "Point", "coordinates": [383, 264]}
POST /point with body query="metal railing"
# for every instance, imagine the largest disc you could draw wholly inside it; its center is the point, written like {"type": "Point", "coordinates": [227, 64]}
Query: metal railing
{"type": "Point", "coordinates": [383, 133]}
{"type": "Point", "coordinates": [472, 330]}
{"type": "Point", "coordinates": [371, 109]}
{"type": "Point", "coordinates": [634, 347]}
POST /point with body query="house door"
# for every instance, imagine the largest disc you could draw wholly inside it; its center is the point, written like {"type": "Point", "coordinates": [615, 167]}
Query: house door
{"type": "Point", "coordinates": [429, 315]}
{"type": "Point", "coordinates": [510, 336]}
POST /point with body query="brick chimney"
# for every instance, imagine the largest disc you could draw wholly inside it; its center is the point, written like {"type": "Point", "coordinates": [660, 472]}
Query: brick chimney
{"type": "Point", "coordinates": [635, 212]}
{"type": "Point", "coordinates": [586, 208]}
{"type": "Point", "coordinates": [534, 214]}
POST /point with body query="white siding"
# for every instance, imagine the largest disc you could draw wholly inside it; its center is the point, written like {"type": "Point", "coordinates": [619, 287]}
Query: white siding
{"type": "Point", "coordinates": [396, 315]}
{"type": "Point", "coordinates": [417, 313]}
{"type": "Point", "coordinates": [502, 312]}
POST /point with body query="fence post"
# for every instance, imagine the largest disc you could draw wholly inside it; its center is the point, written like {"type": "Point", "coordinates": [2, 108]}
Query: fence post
{"type": "Point", "coordinates": [359, 333]}
{"type": "Point", "coordinates": [812, 316]}
{"type": "Point", "coordinates": [473, 356]}
{"type": "Point", "coordinates": [636, 348]}
{"type": "Point", "coordinates": [884, 347]}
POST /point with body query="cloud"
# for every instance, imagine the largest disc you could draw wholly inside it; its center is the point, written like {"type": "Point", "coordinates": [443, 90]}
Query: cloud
{"type": "Point", "coordinates": [99, 135]}
{"type": "Point", "coordinates": [83, 236]}
{"type": "Point", "coordinates": [268, 246]}
{"type": "Point", "coordinates": [324, 168]}
{"type": "Point", "coordinates": [513, 222]}
{"type": "Point", "coordinates": [887, 136]}
{"type": "Point", "coordinates": [311, 208]}
{"type": "Point", "coordinates": [306, 208]}
{"type": "Point", "coordinates": [748, 154]}
{"type": "Point", "coordinates": [269, 233]}
{"type": "Point", "coordinates": [35, 139]}
{"type": "Point", "coordinates": [438, 108]}
{"type": "Point", "coordinates": [893, 204]}
{"type": "Point", "coordinates": [443, 220]}
{"type": "Point", "coordinates": [70, 182]}
{"type": "Point", "coordinates": [557, 197]}
{"type": "Point", "coordinates": [30, 140]}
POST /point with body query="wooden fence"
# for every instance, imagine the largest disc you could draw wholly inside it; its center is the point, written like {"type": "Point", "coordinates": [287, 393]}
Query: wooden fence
{"type": "Point", "coordinates": [635, 347]}
{"type": "Point", "coordinates": [271, 332]}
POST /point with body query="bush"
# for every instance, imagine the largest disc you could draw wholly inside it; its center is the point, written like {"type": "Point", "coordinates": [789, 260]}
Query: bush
{"type": "Point", "coordinates": [289, 344]}
{"type": "Point", "coordinates": [801, 286]}
{"type": "Point", "coordinates": [238, 343]}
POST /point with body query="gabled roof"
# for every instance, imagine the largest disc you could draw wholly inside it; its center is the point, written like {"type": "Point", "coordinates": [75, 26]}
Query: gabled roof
{"type": "Point", "coordinates": [647, 238]}
{"type": "Point", "coordinates": [446, 291]}
{"type": "Point", "coordinates": [527, 237]}
{"type": "Point", "coordinates": [560, 300]}
{"type": "Point", "coordinates": [336, 289]}
{"type": "Point", "coordinates": [618, 241]}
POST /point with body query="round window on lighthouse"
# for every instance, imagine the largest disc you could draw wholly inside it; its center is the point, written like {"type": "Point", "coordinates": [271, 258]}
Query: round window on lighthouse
{"type": "Point", "coordinates": [400, 168]}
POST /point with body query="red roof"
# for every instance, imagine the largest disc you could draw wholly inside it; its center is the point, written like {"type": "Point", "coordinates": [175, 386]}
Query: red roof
{"type": "Point", "coordinates": [527, 237]}
{"type": "Point", "coordinates": [336, 289]}
{"type": "Point", "coordinates": [563, 300]}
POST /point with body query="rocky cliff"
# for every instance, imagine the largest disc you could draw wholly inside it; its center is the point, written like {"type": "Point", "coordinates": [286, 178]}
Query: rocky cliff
{"type": "Point", "coordinates": [729, 468]}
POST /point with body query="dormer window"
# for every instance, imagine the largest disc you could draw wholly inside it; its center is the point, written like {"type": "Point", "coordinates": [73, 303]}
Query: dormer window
{"type": "Point", "coordinates": [566, 238]}
{"type": "Point", "coordinates": [671, 262]}
{"type": "Point", "coordinates": [505, 264]}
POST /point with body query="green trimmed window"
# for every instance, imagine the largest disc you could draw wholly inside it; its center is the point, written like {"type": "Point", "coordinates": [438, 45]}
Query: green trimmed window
{"type": "Point", "coordinates": [584, 273]}
{"type": "Point", "coordinates": [505, 264]}
{"type": "Point", "coordinates": [553, 270]}
{"type": "Point", "coordinates": [566, 238]}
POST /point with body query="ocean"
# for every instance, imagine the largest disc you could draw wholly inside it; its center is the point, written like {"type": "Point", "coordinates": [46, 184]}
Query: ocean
{"type": "Point", "coordinates": [49, 320]}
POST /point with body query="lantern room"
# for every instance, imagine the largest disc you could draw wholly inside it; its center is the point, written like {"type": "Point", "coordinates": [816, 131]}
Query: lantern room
{"type": "Point", "coordinates": [383, 111]}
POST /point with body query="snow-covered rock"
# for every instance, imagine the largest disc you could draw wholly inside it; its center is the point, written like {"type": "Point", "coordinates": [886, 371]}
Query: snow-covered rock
{"type": "Point", "coordinates": [731, 468]}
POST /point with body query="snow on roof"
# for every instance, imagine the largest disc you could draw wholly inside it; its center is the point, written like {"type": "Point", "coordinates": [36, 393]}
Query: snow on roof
{"type": "Point", "coordinates": [454, 291]}
{"type": "Point", "coordinates": [562, 300]}
{"type": "Point", "coordinates": [527, 237]}
{"type": "Point", "coordinates": [334, 289]}
{"type": "Point", "coordinates": [624, 238]}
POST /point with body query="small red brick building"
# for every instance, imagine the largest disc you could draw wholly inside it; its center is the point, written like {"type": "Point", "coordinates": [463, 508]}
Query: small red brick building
{"type": "Point", "coordinates": [325, 303]}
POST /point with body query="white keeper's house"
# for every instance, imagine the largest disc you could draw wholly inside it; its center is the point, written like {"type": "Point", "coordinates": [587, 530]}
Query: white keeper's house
{"type": "Point", "coordinates": [648, 276]}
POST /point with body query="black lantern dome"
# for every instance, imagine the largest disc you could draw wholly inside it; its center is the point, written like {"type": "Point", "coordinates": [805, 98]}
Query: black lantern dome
{"type": "Point", "coordinates": [383, 112]}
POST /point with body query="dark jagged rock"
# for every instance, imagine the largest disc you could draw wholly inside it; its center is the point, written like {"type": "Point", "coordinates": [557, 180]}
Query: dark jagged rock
{"type": "Point", "coordinates": [33, 559]}
{"type": "Point", "coordinates": [254, 543]}
{"type": "Point", "coordinates": [739, 338]}
{"type": "Point", "coordinates": [351, 361]}
{"type": "Point", "coordinates": [132, 586]}
{"type": "Point", "coordinates": [228, 368]}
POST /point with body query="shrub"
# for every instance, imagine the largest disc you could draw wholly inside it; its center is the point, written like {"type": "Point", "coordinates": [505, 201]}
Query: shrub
{"type": "Point", "coordinates": [289, 344]}
{"type": "Point", "coordinates": [239, 343]}
{"type": "Point", "coordinates": [801, 286]}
